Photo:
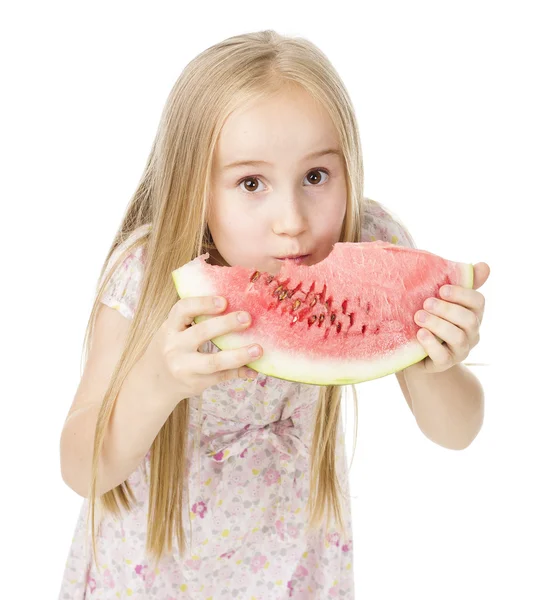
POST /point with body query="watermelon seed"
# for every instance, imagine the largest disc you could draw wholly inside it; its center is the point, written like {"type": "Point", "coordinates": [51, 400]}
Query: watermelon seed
{"type": "Point", "coordinates": [282, 295]}
{"type": "Point", "coordinates": [296, 304]}
{"type": "Point", "coordinates": [321, 319]}
{"type": "Point", "coordinates": [338, 328]}
{"type": "Point", "coordinates": [344, 306]}
{"type": "Point", "coordinates": [255, 276]}
{"type": "Point", "coordinates": [277, 290]}
{"type": "Point", "coordinates": [269, 279]}
{"type": "Point", "coordinates": [332, 318]}
{"type": "Point", "coordinates": [351, 317]}
{"type": "Point", "coordinates": [295, 319]}
{"type": "Point", "coordinates": [312, 320]}
{"type": "Point", "coordinates": [314, 301]}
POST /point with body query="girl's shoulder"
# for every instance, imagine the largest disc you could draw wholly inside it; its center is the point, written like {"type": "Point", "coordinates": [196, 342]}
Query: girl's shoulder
{"type": "Point", "coordinates": [122, 290]}
{"type": "Point", "coordinates": [379, 223]}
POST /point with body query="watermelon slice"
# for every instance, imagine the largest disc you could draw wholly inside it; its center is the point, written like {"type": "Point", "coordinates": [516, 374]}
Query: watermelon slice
{"type": "Point", "coordinates": [346, 319]}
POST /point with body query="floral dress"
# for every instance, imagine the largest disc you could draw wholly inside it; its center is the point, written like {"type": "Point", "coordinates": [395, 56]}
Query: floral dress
{"type": "Point", "coordinates": [248, 485]}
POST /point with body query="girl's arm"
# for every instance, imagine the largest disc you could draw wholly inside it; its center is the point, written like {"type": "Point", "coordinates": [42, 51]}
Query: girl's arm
{"type": "Point", "coordinates": [138, 415]}
{"type": "Point", "coordinates": [448, 406]}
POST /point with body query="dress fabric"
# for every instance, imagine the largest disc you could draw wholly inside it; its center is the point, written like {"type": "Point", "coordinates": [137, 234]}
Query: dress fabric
{"type": "Point", "coordinates": [248, 485]}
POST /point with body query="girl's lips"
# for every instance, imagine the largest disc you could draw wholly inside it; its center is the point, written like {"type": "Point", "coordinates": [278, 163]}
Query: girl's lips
{"type": "Point", "coordinates": [297, 260]}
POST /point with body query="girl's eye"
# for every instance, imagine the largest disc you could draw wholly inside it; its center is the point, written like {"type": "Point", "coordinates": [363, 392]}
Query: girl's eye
{"type": "Point", "coordinates": [255, 178]}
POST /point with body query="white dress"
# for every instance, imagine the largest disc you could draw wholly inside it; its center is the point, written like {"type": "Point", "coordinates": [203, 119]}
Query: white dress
{"type": "Point", "coordinates": [247, 504]}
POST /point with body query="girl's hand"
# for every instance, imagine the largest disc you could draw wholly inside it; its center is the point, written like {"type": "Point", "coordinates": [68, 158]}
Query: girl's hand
{"type": "Point", "coordinates": [455, 322]}
{"type": "Point", "coordinates": [172, 358]}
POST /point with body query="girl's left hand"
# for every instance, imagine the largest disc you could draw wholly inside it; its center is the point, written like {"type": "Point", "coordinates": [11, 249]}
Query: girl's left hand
{"type": "Point", "coordinates": [455, 322]}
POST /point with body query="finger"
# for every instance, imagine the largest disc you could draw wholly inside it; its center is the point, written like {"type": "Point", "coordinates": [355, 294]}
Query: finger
{"type": "Point", "coordinates": [454, 313]}
{"type": "Point", "coordinates": [439, 357]}
{"type": "Point", "coordinates": [227, 360]}
{"type": "Point", "coordinates": [211, 328]}
{"type": "Point", "coordinates": [455, 338]}
{"type": "Point", "coordinates": [471, 299]}
{"type": "Point", "coordinates": [481, 274]}
{"type": "Point", "coordinates": [182, 314]}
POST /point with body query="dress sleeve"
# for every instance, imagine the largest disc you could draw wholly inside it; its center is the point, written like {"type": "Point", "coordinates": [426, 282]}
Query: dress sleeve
{"type": "Point", "coordinates": [122, 290]}
{"type": "Point", "coordinates": [381, 224]}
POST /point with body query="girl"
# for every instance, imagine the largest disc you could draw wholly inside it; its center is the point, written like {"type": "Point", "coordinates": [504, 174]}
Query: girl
{"type": "Point", "coordinates": [257, 157]}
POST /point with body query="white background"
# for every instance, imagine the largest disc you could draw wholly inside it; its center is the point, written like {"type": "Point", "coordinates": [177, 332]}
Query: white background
{"type": "Point", "coordinates": [444, 98]}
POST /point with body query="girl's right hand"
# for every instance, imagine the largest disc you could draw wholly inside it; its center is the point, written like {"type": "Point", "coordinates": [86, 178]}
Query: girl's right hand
{"type": "Point", "coordinates": [178, 369]}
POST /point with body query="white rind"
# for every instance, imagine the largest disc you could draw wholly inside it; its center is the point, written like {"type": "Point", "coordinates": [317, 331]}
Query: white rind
{"type": "Point", "coordinates": [189, 281]}
{"type": "Point", "coordinates": [290, 366]}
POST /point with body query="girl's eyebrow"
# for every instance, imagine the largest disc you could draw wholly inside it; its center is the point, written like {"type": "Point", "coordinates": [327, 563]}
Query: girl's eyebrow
{"type": "Point", "coordinates": [255, 163]}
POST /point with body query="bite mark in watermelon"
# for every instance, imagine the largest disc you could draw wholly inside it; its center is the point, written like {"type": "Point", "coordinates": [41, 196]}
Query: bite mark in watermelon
{"type": "Point", "coordinates": [346, 319]}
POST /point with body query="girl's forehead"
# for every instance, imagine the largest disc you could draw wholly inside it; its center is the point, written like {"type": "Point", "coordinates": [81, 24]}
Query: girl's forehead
{"type": "Point", "coordinates": [275, 130]}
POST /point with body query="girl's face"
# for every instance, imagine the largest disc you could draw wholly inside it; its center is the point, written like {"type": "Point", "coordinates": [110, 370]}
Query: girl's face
{"type": "Point", "coordinates": [284, 202]}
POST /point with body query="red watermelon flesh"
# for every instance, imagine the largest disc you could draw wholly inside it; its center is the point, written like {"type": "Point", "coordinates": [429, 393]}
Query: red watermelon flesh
{"type": "Point", "coordinates": [346, 319]}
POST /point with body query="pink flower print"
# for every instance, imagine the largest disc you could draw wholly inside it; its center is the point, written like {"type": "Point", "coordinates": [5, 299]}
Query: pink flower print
{"type": "Point", "coordinates": [271, 476]}
{"type": "Point", "coordinates": [258, 562]}
{"type": "Point", "coordinates": [149, 580]}
{"type": "Point", "coordinates": [228, 554]}
{"type": "Point", "coordinates": [91, 583]}
{"type": "Point", "coordinates": [199, 508]}
{"type": "Point", "coordinates": [108, 579]}
{"type": "Point", "coordinates": [193, 564]}
{"type": "Point", "coordinates": [238, 394]}
{"type": "Point", "coordinates": [263, 382]}
{"type": "Point", "coordinates": [347, 547]}
{"type": "Point", "coordinates": [292, 530]}
{"type": "Point", "coordinates": [243, 453]}
{"type": "Point", "coordinates": [219, 455]}
{"type": "Point", "coordinates": [256, 460]}
{"type": "Point", "coordinates": [141, 570]}
{"type": "Point", "coordinates": [300, 572]}
{"type": "Point", "coordinates": [333, 538]}
{"type": "Point", "coordinates": [333, 592]}
{"type": "Point", "coordinates": [290, 588]}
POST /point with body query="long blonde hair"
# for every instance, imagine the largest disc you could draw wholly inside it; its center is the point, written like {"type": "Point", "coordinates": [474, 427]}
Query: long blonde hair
{"type": "Point", "coordinates": [172, 196]}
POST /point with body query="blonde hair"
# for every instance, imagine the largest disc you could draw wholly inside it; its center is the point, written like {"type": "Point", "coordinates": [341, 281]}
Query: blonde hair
{"type": "Point", "coordinates": [172, 196]}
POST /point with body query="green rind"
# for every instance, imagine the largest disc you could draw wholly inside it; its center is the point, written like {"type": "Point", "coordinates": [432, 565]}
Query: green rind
{"type": "Point", "coordinates": [188, 283]}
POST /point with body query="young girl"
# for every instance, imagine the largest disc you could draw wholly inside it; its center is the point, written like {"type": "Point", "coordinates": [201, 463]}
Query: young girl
{"type": "Point", "coordinates": [204, 481]}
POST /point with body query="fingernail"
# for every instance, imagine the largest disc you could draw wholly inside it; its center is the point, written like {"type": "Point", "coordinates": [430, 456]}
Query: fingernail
{"type": "Point", "coordinates": [243, 317]}
{"type": "Point", "coordinates": [254, 351]}
{"type": "Point", "coordinates": [219, 302]}
{"type": "Point", "coordinates": [422, 316]}
{"type": "Point", "coordinates": [251, 374]}
{"type": "Point", "coordinates": [446, 291]}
